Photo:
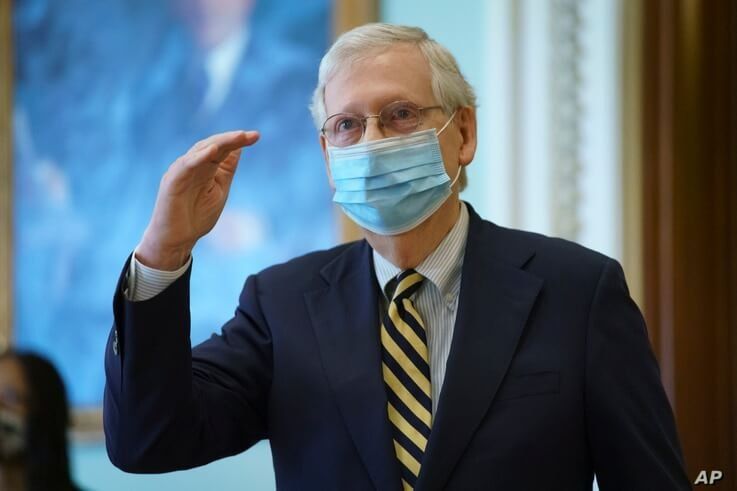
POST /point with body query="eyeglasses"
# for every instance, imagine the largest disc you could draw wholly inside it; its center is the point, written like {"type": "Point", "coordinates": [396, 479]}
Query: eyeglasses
{"type": "Point", "coordinates": [399, 117]}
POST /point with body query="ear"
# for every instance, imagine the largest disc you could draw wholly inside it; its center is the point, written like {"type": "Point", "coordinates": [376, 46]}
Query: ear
{"type": "Point", "coordinates": [466, 123]}
{"type": "Point", "coordinates": [326, 157]}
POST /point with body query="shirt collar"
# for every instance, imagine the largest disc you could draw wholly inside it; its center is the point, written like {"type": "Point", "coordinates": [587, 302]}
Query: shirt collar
{"type": "Point", "coordinates": [442, 267]}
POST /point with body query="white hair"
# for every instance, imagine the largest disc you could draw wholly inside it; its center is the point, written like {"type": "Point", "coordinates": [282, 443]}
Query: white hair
{"type": "Point", "coordinates": [449, 86]}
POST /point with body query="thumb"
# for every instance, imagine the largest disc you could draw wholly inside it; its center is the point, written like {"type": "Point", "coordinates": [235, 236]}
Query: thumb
{"type": "Point", "coordinates": [226, 170]}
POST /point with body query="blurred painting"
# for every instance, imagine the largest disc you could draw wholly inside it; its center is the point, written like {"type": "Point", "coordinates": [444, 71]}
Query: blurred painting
{"type": "Point", "coordinates": [106, 96]}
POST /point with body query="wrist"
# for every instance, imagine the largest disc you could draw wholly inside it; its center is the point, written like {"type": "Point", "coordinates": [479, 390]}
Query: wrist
{"type": "Point", "coordinates": [156, 256]}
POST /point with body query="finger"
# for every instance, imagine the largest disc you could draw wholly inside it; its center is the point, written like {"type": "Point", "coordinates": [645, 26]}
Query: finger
{"type": "Point", "coordinates": [226, 170]}
{"type": "Point", "coordinates": [230, 162]}
{"type": "Point", "coordinates": [225, 149]}
{"type": "Point", "coordinates": [193, 163]}
{"type": "Point", "coordinates": [216, 138]}
{"type": "Point", "coordinates": [239, 138]}
{"type": "Point", "coordinates": [215, 153]}
{"type": "Point", "coordinates": [205, 161]}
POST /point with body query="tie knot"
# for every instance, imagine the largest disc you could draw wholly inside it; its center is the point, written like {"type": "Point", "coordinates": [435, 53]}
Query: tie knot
{"type": "Point", "coordinates": [405, 284]}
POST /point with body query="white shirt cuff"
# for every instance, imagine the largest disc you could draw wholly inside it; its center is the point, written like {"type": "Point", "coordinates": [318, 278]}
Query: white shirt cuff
{"type": "Point", "coordinates": [145, 283]}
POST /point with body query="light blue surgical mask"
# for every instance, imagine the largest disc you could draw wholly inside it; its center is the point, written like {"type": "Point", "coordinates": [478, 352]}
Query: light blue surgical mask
{"type": "Point", "coordinates": [392, 185]}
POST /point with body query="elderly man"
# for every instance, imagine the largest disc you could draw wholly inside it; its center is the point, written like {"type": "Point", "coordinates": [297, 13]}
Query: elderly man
{"type": "Point", "coordinates": [442, 351]}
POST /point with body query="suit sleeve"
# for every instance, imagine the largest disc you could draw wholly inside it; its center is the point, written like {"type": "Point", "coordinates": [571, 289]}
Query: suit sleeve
{"type": "Point", "coordinates": [169, 407]}
{"type": "Point", "coordinates": [631, 430]}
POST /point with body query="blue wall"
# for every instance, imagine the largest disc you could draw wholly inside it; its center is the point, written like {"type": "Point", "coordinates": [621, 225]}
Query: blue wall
{"type": "Point", "coordinates": [251, 470]}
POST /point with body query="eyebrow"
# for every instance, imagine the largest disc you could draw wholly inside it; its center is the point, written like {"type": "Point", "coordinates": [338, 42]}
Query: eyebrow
{"type": "Point", "coordinates": [350, 108]}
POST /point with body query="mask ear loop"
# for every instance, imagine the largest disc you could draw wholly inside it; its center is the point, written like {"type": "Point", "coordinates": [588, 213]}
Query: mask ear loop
{"type": "Point", "coordinates": [447, 122]}
{"type": "Point", "coordinates": [458, 174]}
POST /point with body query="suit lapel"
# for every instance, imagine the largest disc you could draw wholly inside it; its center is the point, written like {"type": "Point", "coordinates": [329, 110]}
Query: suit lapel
{"type": "Point", "coordinates": [346, 323]}
{"type": "Point", "coordinates": [495, 300]}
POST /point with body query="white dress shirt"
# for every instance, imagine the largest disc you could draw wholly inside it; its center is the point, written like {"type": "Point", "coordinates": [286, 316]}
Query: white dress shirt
{"type": "Point", "coordinates": [437, 299]}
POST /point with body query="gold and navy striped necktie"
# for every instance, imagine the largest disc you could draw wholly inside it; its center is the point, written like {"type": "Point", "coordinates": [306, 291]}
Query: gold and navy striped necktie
{"type": "Point", "coordinates": [406, 369]}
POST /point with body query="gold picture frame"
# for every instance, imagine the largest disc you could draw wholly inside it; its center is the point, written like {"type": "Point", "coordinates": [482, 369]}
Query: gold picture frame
{"type": "Point", "coordinates": [6, 175]}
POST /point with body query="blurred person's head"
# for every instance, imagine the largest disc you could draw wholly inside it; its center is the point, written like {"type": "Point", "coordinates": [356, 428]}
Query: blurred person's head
{"type": "Point", "coordinates": [214, 21]}
{"type": "Point", "coordinates": [34, 418]}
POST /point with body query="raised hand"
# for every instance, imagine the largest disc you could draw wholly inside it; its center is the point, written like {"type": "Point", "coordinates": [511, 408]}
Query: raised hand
{"type": "Point", "coordinates": [191, 197]}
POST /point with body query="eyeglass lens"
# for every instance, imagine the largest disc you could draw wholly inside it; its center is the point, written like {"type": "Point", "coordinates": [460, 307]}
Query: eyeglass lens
{"type": "Point", "coordinates": [347, 129]}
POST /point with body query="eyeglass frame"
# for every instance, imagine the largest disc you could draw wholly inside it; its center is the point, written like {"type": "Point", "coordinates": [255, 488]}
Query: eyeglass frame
{"type": "Point", "coordinates": [363, 119]}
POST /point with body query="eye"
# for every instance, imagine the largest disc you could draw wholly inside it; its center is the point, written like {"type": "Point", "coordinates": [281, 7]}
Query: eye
{"type": "Point", "coordinates": [402, 113]}
{"type": "Point", "coordinates": [401, 117]}
{"type": "Point", "coordinates": [345, 124]}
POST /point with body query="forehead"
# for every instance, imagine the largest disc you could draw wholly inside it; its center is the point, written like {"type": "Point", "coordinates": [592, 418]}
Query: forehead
{"type": "Point", "coordinates": [400, 72]}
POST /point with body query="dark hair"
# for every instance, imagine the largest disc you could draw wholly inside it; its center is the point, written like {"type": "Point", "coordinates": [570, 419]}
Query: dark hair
{"type": "Point", "coordinates": [46, 457]}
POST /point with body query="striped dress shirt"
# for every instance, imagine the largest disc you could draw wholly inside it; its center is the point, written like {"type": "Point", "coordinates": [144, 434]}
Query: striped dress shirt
{"type": "Point", "coordinates": [437, 299]}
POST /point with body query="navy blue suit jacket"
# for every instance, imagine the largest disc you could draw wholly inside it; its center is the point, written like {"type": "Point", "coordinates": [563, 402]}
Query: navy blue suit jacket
{"type": "Point", "coordinates": [550, 377]}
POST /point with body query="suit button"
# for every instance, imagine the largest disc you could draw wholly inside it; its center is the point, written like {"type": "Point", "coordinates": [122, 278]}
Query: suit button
{"type": "Point", "coordinates": [115, 342]}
